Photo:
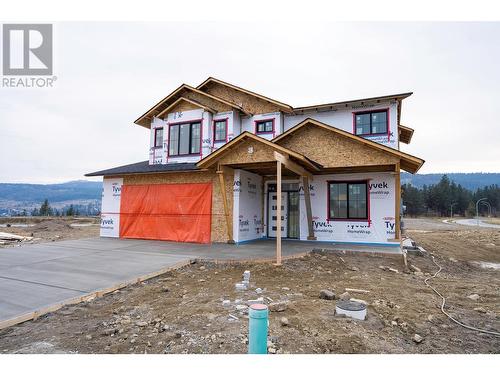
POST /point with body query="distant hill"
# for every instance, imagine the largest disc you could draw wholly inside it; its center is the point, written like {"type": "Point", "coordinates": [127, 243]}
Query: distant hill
{"type": "Point", "coordinates": [68, 191]}
{"type": "Point", "coordinates": [471, 181]}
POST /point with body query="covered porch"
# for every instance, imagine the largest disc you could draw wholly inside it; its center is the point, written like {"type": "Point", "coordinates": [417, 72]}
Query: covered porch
{"type": "Point", "coordinates": [258, 164]}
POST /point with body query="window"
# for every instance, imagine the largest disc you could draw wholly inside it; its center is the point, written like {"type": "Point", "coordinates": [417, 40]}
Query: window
{"type": "Point", "coordinates": [264, 126]}
{"type": "Point", "coordinates": [347, 200]}
{"type": "Point", "coordinates": [368, 123]}
{"type": "Point", "coordinates": [184, 139]}
{"type": "Point", "coordinates": [220, 130]}
{"type": "Point", "coordinates": [159, 137]}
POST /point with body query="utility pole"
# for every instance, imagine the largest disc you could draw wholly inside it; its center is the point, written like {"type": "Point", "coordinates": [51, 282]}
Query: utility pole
{"type": "Point", "coordinates": [487, 204]}
{"type": "Point", "coordinates": [477, 209]}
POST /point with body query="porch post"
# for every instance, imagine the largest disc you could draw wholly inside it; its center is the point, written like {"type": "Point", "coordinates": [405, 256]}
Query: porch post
{"type": "Point", "coordinates": [397, 207]}
{"type": "Point", "coordinates": [307, 196]}
{"type": "Point", "coordinates": [222, 187]}
{"type": "Point", "coordinates": [278, 213]}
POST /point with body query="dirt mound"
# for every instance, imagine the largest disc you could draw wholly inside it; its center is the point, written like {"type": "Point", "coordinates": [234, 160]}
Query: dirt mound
{"type": "Point", "coordinates": [51, 226]}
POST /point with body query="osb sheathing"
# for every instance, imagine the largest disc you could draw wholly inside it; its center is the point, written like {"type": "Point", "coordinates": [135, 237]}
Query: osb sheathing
{"type": "Point", "coordinates": [182, 106]}
{"type": "Point", "coordinates": [206, 101]}
{"type": "Point", "coordinates": [248, 102]}
{"type": "Point", "coordinates": [240, 154]}
{"type": "Point", "coordinates": [219, 227]}
{"type": "Point", "coordinates": [333, 150]}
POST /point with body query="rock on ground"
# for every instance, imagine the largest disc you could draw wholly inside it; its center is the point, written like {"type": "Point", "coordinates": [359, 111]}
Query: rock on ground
{"type": "Point", "coordinates": [278, 306]}
{"type": "Point", "coordinates": [473, 297]}
{"type": "Point", "coordinates": [417, 338]}
{"type": "Point", "coordinates": [326, 294]}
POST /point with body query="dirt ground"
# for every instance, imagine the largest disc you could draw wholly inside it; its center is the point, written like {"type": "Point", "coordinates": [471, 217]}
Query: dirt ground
{"type": "Point", "coordinates": [49, 229]}
{"type": "Point", "coordinates": [183, 311]}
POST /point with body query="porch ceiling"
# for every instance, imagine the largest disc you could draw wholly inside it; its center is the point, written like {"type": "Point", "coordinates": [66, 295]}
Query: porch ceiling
{"type": "Point", "coordinates": [263, 169]}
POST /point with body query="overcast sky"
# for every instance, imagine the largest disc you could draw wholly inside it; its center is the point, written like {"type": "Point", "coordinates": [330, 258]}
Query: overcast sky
{"type": "Point", "coordinates": [108, 74]}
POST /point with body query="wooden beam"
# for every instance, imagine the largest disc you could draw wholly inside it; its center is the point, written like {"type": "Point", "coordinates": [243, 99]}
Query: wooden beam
{"type": "Point", "coordinates": [222, 187]}
{"type": "Point", "coordinates": [278, 213]}
{"type": "Point", "coordinates": [397, 207]}
{"type": "Point", "coordinates": [294, 167]}
{"type": "Point", "coordinates": [307, 196]}
{"type": "Point", "coordinates": [182, 99]}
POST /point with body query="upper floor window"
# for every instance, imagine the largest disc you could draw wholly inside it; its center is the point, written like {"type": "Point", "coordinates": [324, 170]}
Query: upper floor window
{"type": "Point", "coordinates": [184, 139]}
{"type": "Point", "coordinates": [220, 130]}
{"type": "Point", "coordinates": [159, 137]}
{"type": "Point", "coordinates": [370, 123]}
{"type": "Point", "coordinates": [348, 200]}
{"type": "Point", "coordinates": [264, 126]}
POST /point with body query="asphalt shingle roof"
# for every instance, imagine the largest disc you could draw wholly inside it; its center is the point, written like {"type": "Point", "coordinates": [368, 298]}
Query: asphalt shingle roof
{"type": "Point", "coordinates": [144, 167]}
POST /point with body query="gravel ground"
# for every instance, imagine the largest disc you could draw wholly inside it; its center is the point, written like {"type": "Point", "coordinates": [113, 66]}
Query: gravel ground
{"type": "Point", "coordinates": [183, 311]}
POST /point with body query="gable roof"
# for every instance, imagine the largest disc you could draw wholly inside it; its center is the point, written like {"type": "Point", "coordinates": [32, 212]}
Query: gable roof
{"type": "Point", "coordinates": [210, 159]}
{"type": "Point", "coordinates": [284, 106]}
{"type": "Point", "coordinates": [409, 162]}
{"type": "Point", "coordinates": [143, 120]}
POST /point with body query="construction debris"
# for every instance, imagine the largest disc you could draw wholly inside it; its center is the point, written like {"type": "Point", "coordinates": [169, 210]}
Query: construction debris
{"type": "Point", "coordinates": [13, 237]}
{"type": "Point", "coordinates": [364, 291]}
{"type": "Point", "coordinates": [415, 268]}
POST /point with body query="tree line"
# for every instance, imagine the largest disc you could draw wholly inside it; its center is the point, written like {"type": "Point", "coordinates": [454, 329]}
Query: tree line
{"type": "Point", "coordinates": [445, 197]}
{"type": "Point", "coordinates": [46, 209]}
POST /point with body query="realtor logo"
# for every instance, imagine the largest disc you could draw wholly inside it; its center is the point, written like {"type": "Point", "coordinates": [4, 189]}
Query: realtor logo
{"type": "Point", "coordinates": [27, 49]}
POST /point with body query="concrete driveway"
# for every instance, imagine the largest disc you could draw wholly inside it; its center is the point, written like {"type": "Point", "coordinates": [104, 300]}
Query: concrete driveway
{"type": "Point", "coordinates": [39, 278]}
{"type": "Point", "coordinates": [35, 277]}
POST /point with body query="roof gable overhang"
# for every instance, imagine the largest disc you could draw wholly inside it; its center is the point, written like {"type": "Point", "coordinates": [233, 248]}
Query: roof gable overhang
{"type": "Point", "coordinates": [159, 108]}
{"type": "Point", "coordinates": [350, 103]}
{"type": "Point", "coordinates": [408, 162]}
{"type": "Point", "coordinates": [188, 101]}
{"type": "Point", "coordinates": [405, 134]}
{"type": "Point", "coordinates": [216, 156]}
{"type": "Point", "coordinates": [283, 106]}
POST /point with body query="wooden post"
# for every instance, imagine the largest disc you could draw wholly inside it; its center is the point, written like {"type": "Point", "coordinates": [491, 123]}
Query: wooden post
{"type": "Point", "coordinates": [397, 207]}
{"type": "Point", "coordinates": [222, 187]}
{"type": "Point", "coordinates": [307, 196]}
{"type": "Point", "coordinates": [278, 213]}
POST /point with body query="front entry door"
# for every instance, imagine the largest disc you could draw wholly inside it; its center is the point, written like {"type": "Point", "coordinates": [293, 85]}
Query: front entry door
{"type": "Point", "coordinates": [272, 215]}
{"type": "Point", "coordinates": [293, 216]}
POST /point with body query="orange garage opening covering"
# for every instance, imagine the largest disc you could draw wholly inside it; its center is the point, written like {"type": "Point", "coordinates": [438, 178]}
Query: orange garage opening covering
{"type": "Point", "coordinates": [171, 212]}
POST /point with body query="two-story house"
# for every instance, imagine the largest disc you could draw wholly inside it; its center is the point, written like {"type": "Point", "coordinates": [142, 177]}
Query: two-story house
{"type": "Point", "coordinates": [217, 156]}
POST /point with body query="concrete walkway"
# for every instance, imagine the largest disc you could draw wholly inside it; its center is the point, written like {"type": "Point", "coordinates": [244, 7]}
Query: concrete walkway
{"type": "Point", "coordinates": [36, 277]}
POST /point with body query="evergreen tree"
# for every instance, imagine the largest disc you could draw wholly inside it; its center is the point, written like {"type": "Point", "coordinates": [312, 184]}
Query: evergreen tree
{"type": "Point", "coordinates": [45, 209]}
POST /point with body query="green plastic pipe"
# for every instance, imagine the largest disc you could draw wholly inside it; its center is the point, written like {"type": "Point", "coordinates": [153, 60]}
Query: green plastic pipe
{"type": "Point", "coordinates": [257, 329]}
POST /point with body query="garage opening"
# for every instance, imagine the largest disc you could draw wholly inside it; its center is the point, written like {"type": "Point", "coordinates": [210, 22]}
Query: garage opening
{"type": "Point", "coordinates": [169, 212]}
